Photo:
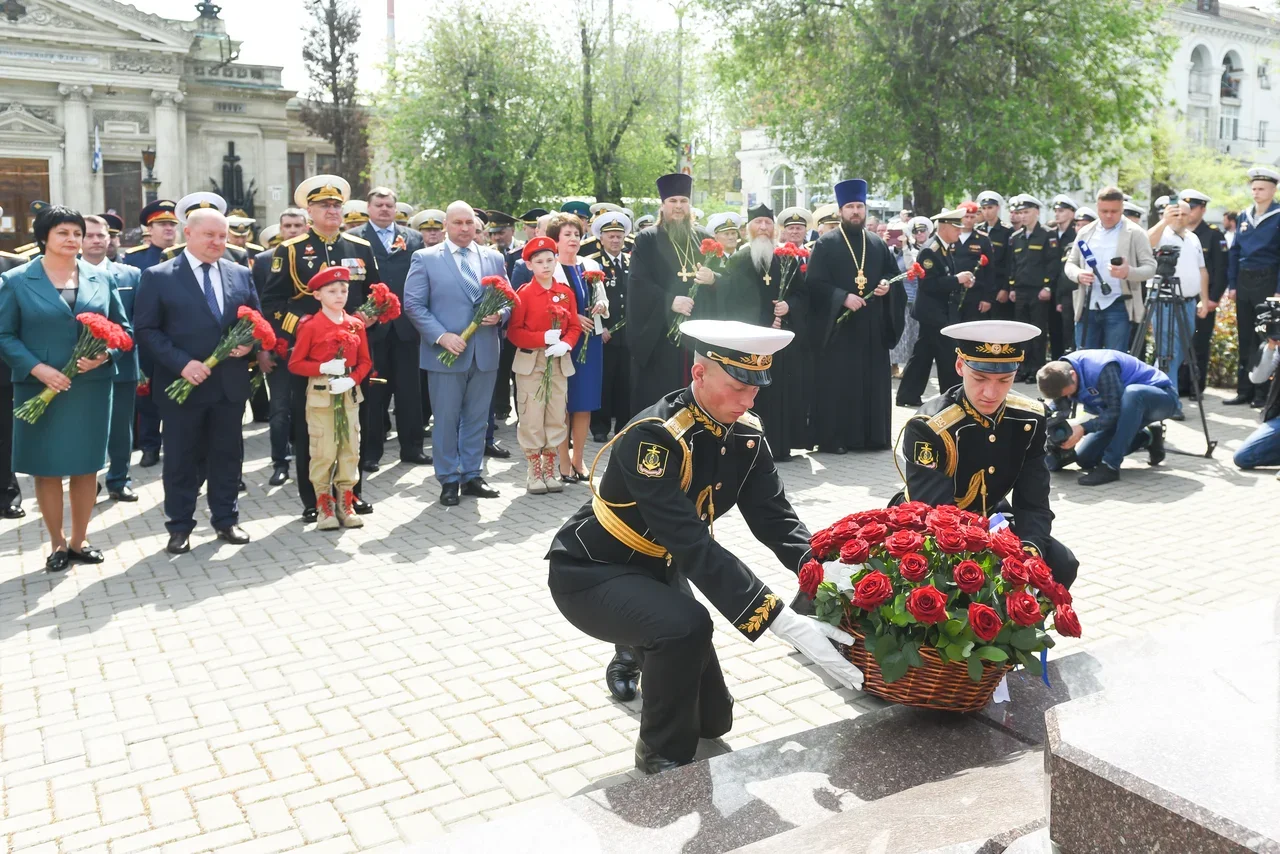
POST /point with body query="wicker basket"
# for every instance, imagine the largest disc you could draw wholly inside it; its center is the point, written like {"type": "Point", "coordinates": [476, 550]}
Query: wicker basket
{"type": "Point", "coordinates": [934, 686]}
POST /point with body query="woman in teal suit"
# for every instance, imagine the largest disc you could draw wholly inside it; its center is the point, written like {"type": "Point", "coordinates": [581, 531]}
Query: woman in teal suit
{"type": "Point", "coordinates": [38, 331]}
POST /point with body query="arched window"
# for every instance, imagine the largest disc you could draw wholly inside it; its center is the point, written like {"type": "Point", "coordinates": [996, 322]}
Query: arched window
{"type": "Point", "coordinates": [1201, 82]}
{"type": "Point", "coordinates": [782, 188]}
{"type": "Point", "coordinates": [1232, 71]}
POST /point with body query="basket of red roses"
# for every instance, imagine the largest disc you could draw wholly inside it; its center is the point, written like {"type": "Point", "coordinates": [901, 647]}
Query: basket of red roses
{"type": "Point", "coordinates": [940, 605]}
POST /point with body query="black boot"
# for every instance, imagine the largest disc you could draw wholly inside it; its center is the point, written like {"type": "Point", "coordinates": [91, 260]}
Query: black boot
{"type": "Point", "coordinates": [622, 674]}
{"type": "Point", "coordinates": [1155, 448]}
{"type": "Point", "coordinates": [651, 763]}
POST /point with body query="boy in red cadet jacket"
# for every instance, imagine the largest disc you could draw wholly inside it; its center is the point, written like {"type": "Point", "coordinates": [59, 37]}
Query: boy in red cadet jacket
{"type": "Point", "coordinates": [331, 346]}
{"type": "Point", "coordinates": [544, 327]}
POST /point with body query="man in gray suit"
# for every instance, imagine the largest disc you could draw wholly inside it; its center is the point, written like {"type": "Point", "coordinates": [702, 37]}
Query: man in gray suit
{"type": "Point", "coordinates": [441, 293]}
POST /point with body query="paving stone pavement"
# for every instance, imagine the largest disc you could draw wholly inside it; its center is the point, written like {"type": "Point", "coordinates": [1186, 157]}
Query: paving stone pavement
{"type": "Point", "coordinates": [362, 690]}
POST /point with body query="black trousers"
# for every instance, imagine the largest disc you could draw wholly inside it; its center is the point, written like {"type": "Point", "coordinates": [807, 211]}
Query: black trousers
{"type": "Point", "coordinates": [502, 388]}
{"type": "Point", "coordinates": [10, 494]}
{"type": "Point", "coordinates": [396, 361]}
{"type": "Point", "coordinates": [1201, 341]}
{"type": "Point", "coordinates": [302, 443]}
{"type": "Point", "coordinates": [932, 348]}
{"type": "Point", "coordinates": [203, 442]}
{"type": "Point", "coordinates": [684, 695]}
{"type": "Point", "coordinates": [1067, 321]}
{"type": "Point", "coordinates": [1030, 309]}
{"type": "Point", "coordinates": [1252, 287]}
{"type": "Point", "coordinates": [615, 391]}
{"type": "Point", "coordinates": [260, 405]}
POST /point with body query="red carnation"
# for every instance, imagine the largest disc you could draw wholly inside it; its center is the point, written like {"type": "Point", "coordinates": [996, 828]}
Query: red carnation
{"type": "Point", "coordinates": [1014, 571]}
{"type": "Point", "coordinates": [1041, 575]}
{"type": "Point", "coordinates": [983, 260]}
{"type": "Point", "coordinates": [282, 348]}
{"type": "Point", "coordinates": [855, 551]}
{"type": "Point", "coordinates": [985, 621]}
{"type": "Point", "coordinates": [975, 538]}
{"type": "Point", "coordinates": [1066, 622]}
{"type": "Point", "coordinates": [913, 567]}
{"type": "Point", "coordinates": [872, 591]}
{"type": "Point", "coordinates": [1023, 608]}
{"type": "Point", "coordinates": [927, 604]}
{"type": "Point", "coordinates": [916, 272]}
{"type": "Point", "coordinates": [969, 576]}
{"type": "Point", "coordinates": [594, 276]}
{"type": "Point", "coordinates": [711, 247]}
{"type": "Point", "coordinates": [950, 541]}
{"type": "Point", "coordinates": [874, 532]}
{"type": "Point", "coordinates": [900, 543]}
{"type": "Point", "coordinates": [804, 268]}
{"type": "Point", "coordinates": [1005, 543]}
{"type": "Point", "coordinates": [144, 388]}
{"type": "Point", "coordinates": [810, 577]}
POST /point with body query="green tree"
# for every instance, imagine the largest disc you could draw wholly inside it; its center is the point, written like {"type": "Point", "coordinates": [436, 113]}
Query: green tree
{"type": "Point", "coordinates": [333, 110]}
{"type": "Point", "coordinates": [941, 97]}
{"type": "Point", "coordinates": [479, 110]}
{"type": "Point", "coordinates": [1166, 158]}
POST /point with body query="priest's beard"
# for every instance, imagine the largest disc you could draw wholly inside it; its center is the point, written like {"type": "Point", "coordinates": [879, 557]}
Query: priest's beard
{"type": "Point", "coordinates": [680, 231]}
{"type": "Point", "coordinates": [762, 253]}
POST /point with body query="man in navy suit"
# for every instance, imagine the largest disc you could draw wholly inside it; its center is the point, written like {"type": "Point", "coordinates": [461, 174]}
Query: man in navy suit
{"type": "Point", "coordinates": [394, 345]}
{"type": "Point", "coordinates": [440, 296]}
{"type": "Point", "coordinates": [183, 308]}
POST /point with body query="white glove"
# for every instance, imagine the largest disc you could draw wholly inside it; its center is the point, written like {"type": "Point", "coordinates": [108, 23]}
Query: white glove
{"type": "Point", "coordinates": [341, 385]}
{"type": "Point", "coordinates": [551, 336]}
{"type": "Point", "coordinates": [812, 639]}
{"type": "Point", "coordinates": [557, 349]}
{"type": "Point", "coordinates": [334, 367]}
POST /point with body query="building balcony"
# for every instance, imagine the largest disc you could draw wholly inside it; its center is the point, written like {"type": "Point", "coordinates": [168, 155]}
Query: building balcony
{"type": "Point", "coordinates": [248, 76]}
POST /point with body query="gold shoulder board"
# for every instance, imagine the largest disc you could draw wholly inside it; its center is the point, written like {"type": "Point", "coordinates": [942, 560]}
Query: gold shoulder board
{"type": "Point", "coordinates": [946, 419]}
{"type": "Point", "coordinates": [1026, 404]}
{"type": "Point", "coordinates": [677, 425]}
{"type": "Point", "coordinates": [359, 241]}
{"type": "Point", "coordinates": [749, 419]}
{"type": "Point", "coordinates": [298, 239]}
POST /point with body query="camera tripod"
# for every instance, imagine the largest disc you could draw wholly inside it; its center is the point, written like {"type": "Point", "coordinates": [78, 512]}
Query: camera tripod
{"type": "Point", "coordinates": [1166, 291]}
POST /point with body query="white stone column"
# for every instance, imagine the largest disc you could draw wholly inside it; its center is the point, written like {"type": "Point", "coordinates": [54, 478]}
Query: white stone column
{"type": "Point", "coordinates": [78, 165]}
{"type": "Point", "coordinates": [170, 153]}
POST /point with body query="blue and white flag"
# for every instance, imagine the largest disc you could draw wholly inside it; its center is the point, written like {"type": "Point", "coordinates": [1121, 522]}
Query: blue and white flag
{"type": "Point", "coordinates": [97, 151]}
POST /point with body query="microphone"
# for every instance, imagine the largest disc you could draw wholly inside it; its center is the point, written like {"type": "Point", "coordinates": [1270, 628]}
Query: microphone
{"type": "Point", "coordinates": [1087, 254]}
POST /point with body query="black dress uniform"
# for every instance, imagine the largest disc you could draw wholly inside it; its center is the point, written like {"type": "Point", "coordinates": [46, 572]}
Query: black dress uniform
{"type": "Point", "coordinates": [1062, 319]}
{"type": "Point", "coordinates": [1214, 244]}
{"type": "Point", "coordinates": [1029, 274]}
{"type": "Point", "coordinates": [999, 234]}
{"type": "Point", "coordinates": [937, 305]}
{"type": "Point", "coordinates": [615, 385]}
{"type": "Point", "coordinates": [619, 565]}
{"type": "Point", "coordinates": [968, 255]}
{"type": "Point", "coordinates": [286, 300]}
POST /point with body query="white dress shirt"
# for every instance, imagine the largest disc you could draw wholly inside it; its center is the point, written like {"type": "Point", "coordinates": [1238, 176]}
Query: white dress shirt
{"type": "Point", "coordinates": [214, 276]}
{"type": "Point", "coordinates": [386, 235]}
{"type": "Point", "coordinates": [1105, 243]}
{"type": "Point", "coordinates": [472, 257]}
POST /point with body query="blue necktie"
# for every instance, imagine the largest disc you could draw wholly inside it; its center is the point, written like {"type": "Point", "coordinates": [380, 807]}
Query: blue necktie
{"type": "Point", "coordinates": [209, 296]}
{"type": "Point", "coordinates": [386, 235]}
{"type": "Point", "coordinates": [471, 283]}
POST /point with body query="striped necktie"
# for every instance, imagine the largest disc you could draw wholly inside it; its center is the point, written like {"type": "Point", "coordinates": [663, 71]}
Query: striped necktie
{"type": "Point", "coordinates": [469, 280]}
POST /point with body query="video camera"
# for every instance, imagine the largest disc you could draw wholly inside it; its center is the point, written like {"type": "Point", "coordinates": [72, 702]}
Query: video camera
{"type": "Point", "coordinates": [1167, 261]}
{"type": "Point", "coordinates": [1267, 317]}
{"type": "Point", "coordinates": [1057, 429]}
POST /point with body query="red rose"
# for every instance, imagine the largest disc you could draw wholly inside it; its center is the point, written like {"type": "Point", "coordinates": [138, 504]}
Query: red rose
{"type": "Point", "coordinates": [855, 551]}
{"type": "Point", "coordinates": [872, 591]}
{"type": "Point", "coordinates": [1015, 572]}
{"type": "Point", "coordinates": [810, 578]}
{"type": "Point", "coordinates": [950, 540]}
{"type": "Point", "coordinates": [941, 518]}
{"type": "Point", "coordinates": [864, 517]}
{"type": "Point", "coordinates": [969, 518]}
{"type": "Point", "coordinates": [927, 604]}
{"type": "Point", "coordinates": [1057, 594]}
{"type": "Point", "coordinates": [969, 576]}
{"type": "Point", "coordinates": [917, 507]}
{"type": "Point", "coordinates": [985, 621]}
{"type": "Point", "coordinates": [1023, 608]}
{"type": "Point", "coordinates": [975, 538]}
{"type": "Point", "coordinates": [1041, 575]}
{"type": "Point", "coordinates": [908, 520]}
{"type": "Point", "coordinates": [1005, 543]}
{"type": "Point", "coordinates": [821, 543]}
{"type": "Point", "coordinates": [900, 543]}
{"type": "Point", "coordinates": [913, 567]}
{"type": "Point", "coordinates": [1065, 621]}
{"type": "Point", "coordinates": [874, 532]}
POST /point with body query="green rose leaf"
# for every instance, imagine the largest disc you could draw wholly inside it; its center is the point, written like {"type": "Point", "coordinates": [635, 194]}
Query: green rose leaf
{"type": "Point", "coordinates": [975, 668]}
{"type": "Point", "coordinates": [992, 653]}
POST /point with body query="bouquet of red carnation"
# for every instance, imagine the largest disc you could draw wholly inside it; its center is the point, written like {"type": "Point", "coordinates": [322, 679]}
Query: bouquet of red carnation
{"type": "Point", "coordinates": [792, 260]}
{"type": "Point", "coordinates": [559, 317]}
{"type": "Point", "coordinates": [382, 306]}
{"type": "Point", "coordinates": [595, 279]}
{"type": "Point", "coordinates": [712, 253]}
{"type": "Point", "coordinates": [914, 273]}
{"type": "Point", "coordinates": [251, 327]}
{"type": "Point", "coordinates": [144, 385]}
{"type": "Point", "coordinates": [281, 349]}
{"type": "Point", "coordinates": [496, 294]}
{"type": "Point", "coordinates": [917, 576]}
{"type": "Point", "coordinates": [337, 346]}
{"type": "Point", "coordinates": [97, 335]}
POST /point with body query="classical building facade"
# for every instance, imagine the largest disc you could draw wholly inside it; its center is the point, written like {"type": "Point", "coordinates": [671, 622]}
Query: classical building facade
{"type": "Point", "coordinates": [88, 86]}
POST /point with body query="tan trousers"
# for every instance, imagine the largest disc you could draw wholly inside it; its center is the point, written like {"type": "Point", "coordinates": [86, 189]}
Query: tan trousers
{"type": "Point", "coordinates": [543, 425]}
{"type": "Point", "coordinates": [333, 465]}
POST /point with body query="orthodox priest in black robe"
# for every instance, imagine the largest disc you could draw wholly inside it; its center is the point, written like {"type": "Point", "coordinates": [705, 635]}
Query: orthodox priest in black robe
{"type": "Point", "coordinates": [849, 271]}
{"type": "Point", "coordinates": [765, 289]}
{"type": "Point", "coordinates": [665, 264]}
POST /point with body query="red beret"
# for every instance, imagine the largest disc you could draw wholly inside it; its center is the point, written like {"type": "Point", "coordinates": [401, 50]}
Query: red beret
{"type": "Point", "coordinates": [327, 277]}
{"type": "Point", "coordinates": [538, 244]}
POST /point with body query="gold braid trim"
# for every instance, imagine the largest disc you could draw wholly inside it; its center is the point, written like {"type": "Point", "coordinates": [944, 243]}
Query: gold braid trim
{"type": "Point", "coordinates": [977, 484]}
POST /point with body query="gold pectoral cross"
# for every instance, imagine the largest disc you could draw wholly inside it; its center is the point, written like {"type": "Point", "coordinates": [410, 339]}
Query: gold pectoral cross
{"type": "Point", "coordinates": [861, 282]}
{"type": "Point", "coordinates": [767, 279]}
{"type": "Point", "coordinates": [685, 276]}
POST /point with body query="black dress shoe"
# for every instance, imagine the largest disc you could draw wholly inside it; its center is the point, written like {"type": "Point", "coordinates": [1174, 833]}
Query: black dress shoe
{"type": "Point", "coordinates": [417, 458]}
{"type": "Point", "coordinates": [623, 674]}
{"type": "Point", "coordinates": [13, 511]}
{"type": "Point", "coordinates": [910, 404]}
{"type": "Point", "coordinates": [493, 449]}
{"type": "Point", "coordinates": [370, 466]}
{"type": "Point", "coordinates": [233, 534]}
{"type": "Point", "coordinates": [1155, 448]}
{"type": "Point", "coordinates": [179, 544]}
{"type": "Point", "coordinates": [124, 493]}
{"type": "Point", "coordinates": [86, 555]}
{"type": "Point", "coordinates": [1102, 474]}
{"type": "Point", "coordinates": [57, 562]}
{"type": "Point", "coordinates": [1256, 403]}
{"type": "Point", "coordinates": [651, 763]}
{"type": "Point", "coordinates": [600, 437]}
{"type": "Point", "coordinates": [149, 458]}
{"type": "Point", "coordinates": [242, 486]}
{"type": "Point", "coordinates": [477, 488]}
{"type": "Point", "coordinates": [279, 476]}
{"type": "Point", "coordinates": [449, 494]}
{"type": "Point", "coordinates": [309, 515]}
{"type": "Point", "coordinates": [362, 507]}
{"type": "Point", "coordinates": [1238, 400]}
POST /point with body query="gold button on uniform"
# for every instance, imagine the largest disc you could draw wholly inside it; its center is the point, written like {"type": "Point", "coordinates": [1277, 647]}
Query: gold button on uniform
{"type": "Point", "coordinates": [718, 485]}
{"type": "Point", "coordinates": [991, 438]}
{"type": "Point", "coordinates": [722, 451]}
{"type": "Point", "coordinates": [1026, 428]}
{"type": "Point", "coordinates": [991, 470]}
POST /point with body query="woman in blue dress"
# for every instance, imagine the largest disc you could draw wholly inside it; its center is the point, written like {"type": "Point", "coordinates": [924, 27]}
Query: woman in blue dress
{"type": "Point", "coordinates": [584, 386]}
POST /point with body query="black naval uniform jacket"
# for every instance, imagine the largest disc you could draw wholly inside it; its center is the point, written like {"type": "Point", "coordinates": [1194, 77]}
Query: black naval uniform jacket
{"type": "Point", "coordinates": [956, 455]}
{"type": "Point", "coordinates": [1030, 271]}
{"type": "Point", "coordinates": [968, 255]}
{"type": "Point", "coordinates": [999, 235]}
{"type": "Point", "coordinates": [285, 298]}
{"type": "Point", "coordinates": [938, 293]}
{"type": "Point", "coordinates": [676, 470]}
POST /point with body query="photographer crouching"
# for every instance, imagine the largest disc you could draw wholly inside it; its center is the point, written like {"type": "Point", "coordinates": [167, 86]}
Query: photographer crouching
{"type": "Point", "coordinates": [1128, 397]}
{"type": "Point", "coordinates": [1262, 448]}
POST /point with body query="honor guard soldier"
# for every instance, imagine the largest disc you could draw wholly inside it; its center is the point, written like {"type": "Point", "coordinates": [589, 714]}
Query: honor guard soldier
{"type": "Point", "coordinates": [159, 217]}
{"type": "Point", "coordinates": [1030, 276]}
{"type": "Point", "coordinates": [938, 296]}
{"type": "Point", "coordinates": [198, 201]}
{"type": "Point", "coordinates": [614, 257]}
{"type": "Point", "coordinates": [286, 300]}
{"type": "Point", "coordinates": [998, 232]}
{"type": "Point", "coordinates": [621, 567]}
{"type": "Point", "coordinates": [981, 446]}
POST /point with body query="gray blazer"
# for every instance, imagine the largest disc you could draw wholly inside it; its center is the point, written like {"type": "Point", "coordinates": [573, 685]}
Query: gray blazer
{"type": "Point", "coordinates": [1134, 247]}
{"type": "Point", "coordinates": [435, 303]}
